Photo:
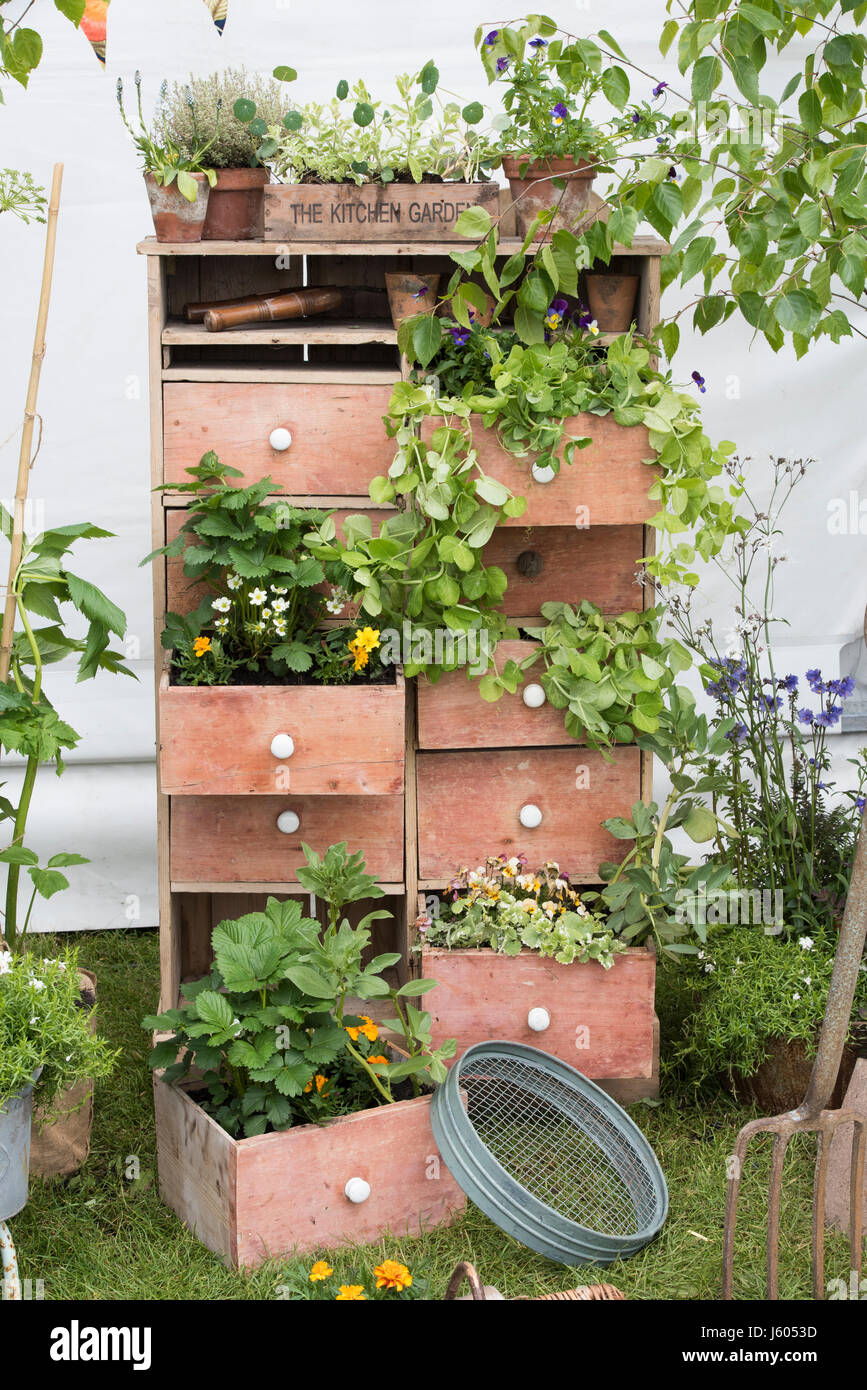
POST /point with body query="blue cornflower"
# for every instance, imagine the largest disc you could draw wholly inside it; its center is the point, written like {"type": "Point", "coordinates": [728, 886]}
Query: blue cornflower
{"type": "Point", "coordinates": [805, 716]}
{"type": "Point", "coordinates": [659, 89]}
{"type": "Point", "coordinates": [699, 381]}
{"type": "Point", "coordinates": [491, 39]}
{"type": "Point", "coordinates": [460, 336]}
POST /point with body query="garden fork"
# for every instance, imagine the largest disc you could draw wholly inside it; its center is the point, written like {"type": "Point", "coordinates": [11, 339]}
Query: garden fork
{"type": "Point", "coordinates": [811, 1116]}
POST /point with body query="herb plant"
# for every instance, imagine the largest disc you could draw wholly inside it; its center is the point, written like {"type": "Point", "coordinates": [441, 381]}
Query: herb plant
{"type": "Point", "coordinates": [501, 906]}
{"type": "Point", "coordinates": [357, 139]}
{"type": "Point", "coordinates": [270, 1027]}
{"type": "Point", "coordinates": [263, 603]}
{"type": "Point", "coordinates": [160, 154]}
{"type": "Point", "coordinates": [22, 196]}
{"type": "Point", "coordinates": [43, 1024]}
{"type": "Point", "coordinates": [200, 113]}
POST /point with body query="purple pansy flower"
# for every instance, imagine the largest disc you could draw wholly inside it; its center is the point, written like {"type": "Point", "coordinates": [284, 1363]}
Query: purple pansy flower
{"type": "Point", "coordinates": [699, 381]}
{"type": "Point", "coordinates": [559, 113]}
{"type": "Point", "coordinates": [659, 89]}
{"type": "Point", "coordinates": [419, 292]}
{"type": "Point", "coordinates": [502, 64]}
{"type": "Point", "coordinates": [538, 43]}
{"type": "Point", "coordinates": [491, 39]}
{"type": "Point", "coordinates": [460, 336]}
{"type": "Point", "coordinates": [635, 118]}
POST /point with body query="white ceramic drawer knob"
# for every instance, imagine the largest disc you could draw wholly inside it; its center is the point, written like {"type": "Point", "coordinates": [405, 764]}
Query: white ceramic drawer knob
{"type": "Point", "coordinates": [357, 1190]}
{"type": "Point", "coordinates": [530, 816]}
{"type": "Point", "coordinates": [282, 745]}
{"type": "Point", "coordinates": [288, 822]}
{"type": "Point", "coordinates": [280, 440]}
{"type": "Point", "coordinates": [538, 1020]}
{"type": "Point", "coordinates": [543, 473]}
{"type": "Point", "coordinates": [533, 696]}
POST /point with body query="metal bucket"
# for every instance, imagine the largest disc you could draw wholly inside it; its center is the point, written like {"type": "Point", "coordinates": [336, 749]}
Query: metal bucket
{"type": "Point", "coordinates": [15, 1117]}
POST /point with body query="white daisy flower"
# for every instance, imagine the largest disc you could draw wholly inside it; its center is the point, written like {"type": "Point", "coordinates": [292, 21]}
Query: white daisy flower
{"type": "Point", "coordinates": [221, 624]}
{"type": "Point", "coordinates": [222, 604]}
{"type": "Point", "coordinates": [279, 589]}
{"type": "Point", "coordinates": [279, 605]}
{"type": "Point", "coordinates": [234, 581]}
{"type": "Point", "coordinates": [257, 596]}
{"type": "Point", "coordinates": [795, 998]}
{"type": "Point", "coordinates": [266, 612]}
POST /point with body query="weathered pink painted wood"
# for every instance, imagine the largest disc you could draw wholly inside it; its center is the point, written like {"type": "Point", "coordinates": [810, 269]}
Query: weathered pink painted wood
{"type": "Point", "coordinates": [468, 805]}
{"type": "Point", "coordinates": [607, 484]}
{"type": "Point", "coordinates": [338, 439]}
{"type": "Point", "coordinates": [598, 565]}
{"type": "Point", "coordinates": [349, 740]}
{"type": "Point", "coordinates": [602, 1021]}
{"type": "Point", "coordinates": [282, 1193]}
{"type": "Point", "coordinates": [452, 715]}
{"type": "Point", "coordinates": [235, 839]}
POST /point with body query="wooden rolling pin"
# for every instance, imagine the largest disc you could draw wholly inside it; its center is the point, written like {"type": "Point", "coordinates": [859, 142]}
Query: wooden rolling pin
{"type": "Point", "coordinates": [264, 308]}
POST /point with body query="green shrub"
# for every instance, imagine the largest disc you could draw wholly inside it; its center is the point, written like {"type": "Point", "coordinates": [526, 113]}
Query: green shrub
{"type": "Point", "coordinates": [199, 111]}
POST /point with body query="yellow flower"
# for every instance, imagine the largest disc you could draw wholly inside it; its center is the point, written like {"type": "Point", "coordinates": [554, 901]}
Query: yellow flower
{"type": "Point", "coordinates": [351, 1293]}
{"type": "Point", "coordinates": [383, 1060]}
{"type": "Point", "coordinates": [367, 637]}
{"type": "Point", "coordinates": [321, 1083]}
{"type": "Point", "coordinates": [391, 1275]}
{"type": "Point", "coordinates": [321, 1270]}
{"type": "Point", "coordinates": [368, 1028]}
{"type": "Point", "coordinates": [360, 654]}
{"type": "Point", "coordinates": [201, 645]}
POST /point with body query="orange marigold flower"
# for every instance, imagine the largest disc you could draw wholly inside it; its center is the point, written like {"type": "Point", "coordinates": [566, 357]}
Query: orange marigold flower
{"type": "Point", "coordinates": [321, 1083]}
{"type": "Point", "coordinates": [351, 1293]}
{"type": "Point", "coordinates": [367, 1027]}
{"type": "Point", "coordinates": [382, 1060]}
{"type": "Point", "coordinates": [321, 1270]}
{"type": "Point", "coordinates": [201, 645]}
{"type": "Point", "coordinates": [392, 1275]}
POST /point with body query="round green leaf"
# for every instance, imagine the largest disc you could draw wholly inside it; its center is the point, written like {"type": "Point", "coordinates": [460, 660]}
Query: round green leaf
{"type": "Point", "coordinates": [244, 109]}
{"type": "Point", "coordinates": [284, 74]}
{"type": "Point", "coordinates": [342, 89]}
{"type": "Point", "coordinates": [473, 112]}
{"type": "Point", "coordinates": [363, 113]}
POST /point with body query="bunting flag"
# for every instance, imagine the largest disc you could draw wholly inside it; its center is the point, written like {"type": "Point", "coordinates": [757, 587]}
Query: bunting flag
{"type": "Point", "coordinates": [94, 21]}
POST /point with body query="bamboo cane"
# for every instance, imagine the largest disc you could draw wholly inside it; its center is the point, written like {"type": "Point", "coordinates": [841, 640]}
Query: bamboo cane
{"type": "Point", "coordinates": [17, 537]}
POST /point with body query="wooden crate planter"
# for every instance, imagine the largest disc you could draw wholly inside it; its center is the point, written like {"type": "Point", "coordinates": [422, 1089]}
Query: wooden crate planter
{"type": "Point", "coordinates": [349, 740]}
{"type": "Point", "coordinates": [451, 714]}
{"type": "Point", "coordinates": [250, 1200]}
{"type": "Point", "coordinates": [602, 1021]}
{"type": "Point", "coordinates": [236, 839]}
{"type": "Point", "coordinates": [372, 212]}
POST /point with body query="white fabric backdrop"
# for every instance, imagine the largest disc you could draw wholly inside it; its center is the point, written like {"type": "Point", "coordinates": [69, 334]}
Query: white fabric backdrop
{"type": "Point", "coordinates": [94, 458]}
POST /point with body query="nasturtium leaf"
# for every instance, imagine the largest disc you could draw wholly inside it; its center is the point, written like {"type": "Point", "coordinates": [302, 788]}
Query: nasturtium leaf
{"type": "Point", "coordinates": [244, 109]}
{"type": "Point", "coordinates": [284, 74]}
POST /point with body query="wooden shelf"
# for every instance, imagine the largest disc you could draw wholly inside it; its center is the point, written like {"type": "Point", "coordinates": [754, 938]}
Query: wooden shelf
{"type": "Point", "coordinates": [311, 373]}
{"type": "Point", "coordinates": [296, 331]}
{"type": "Point", "coordinates": [290, 889]}
{"type": "Point", "coordinates": [641, 246]}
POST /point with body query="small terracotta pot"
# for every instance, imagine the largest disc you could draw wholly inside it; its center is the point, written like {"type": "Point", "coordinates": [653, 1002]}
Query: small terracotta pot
{"type": "Point", "coordinates": [612, 301]}
{"type": "Point", "coordinates": [410, 294]}
{"type": "Point", "coordinates": [532, 196]}
{"type": "Point", "coordinates": [236, 205]}
{"type": "Point", "coordinates": [780, 1082]}
{"type": "Point", "coordinates": [176, 219]}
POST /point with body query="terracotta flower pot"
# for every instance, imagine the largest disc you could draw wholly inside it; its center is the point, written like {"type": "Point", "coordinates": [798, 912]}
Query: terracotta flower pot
{"type": "Point", "coordinates": [236, 206]}
{"type": "Point", "coordinates": [781, 1082]}
{"type": "Point", "coordinates": [410, 294]}
{"type": "Point", "coordinates": [483, 320]}
{"type": "Point", "coordinates": [176, 219]}
{"type": "Point", "coordinates": [532, 196]}
{"type": "Point", "coordinates": [612, 301]}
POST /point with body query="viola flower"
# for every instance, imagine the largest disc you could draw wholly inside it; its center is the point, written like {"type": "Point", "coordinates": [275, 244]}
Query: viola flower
{"type": "Point", "coordinates": [222, 604]}
{"type": "Point", "coordinates": [559, 113]}
{"type": "Point", "coordinates": [699, 381]}
{"type": "Point", "coordinates": [672, 173]}
{"type": "Point", "coordinates": [491, 38]}
{"type": "Point", "coordinates": [636, 117]}
{"type": "Point", "coordinates": [351, 1293]}
{"type": "Point", "coordinates": [659, 89]}
{"type": "Point", "coordinates": [419, 293]}
{"type": "Point", "coordinates": [502, 64]}
{"type": "Point", "coordinates": [538, 43]}
{"type": "Point", "coordinates": [201, 645]}
{"type": "Point", "coordinates": [321, 1270]}
{"type": "Point", "coordinates": [392, 1275]}
{"type": "Point", "coordinates": [460, 336]}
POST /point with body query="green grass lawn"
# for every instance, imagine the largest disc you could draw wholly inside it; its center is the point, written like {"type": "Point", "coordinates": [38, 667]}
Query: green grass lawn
{"type": "Point", "coordinates": [100, 1236]}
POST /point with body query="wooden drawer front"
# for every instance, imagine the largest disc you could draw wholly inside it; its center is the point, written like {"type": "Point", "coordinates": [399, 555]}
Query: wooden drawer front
{"type": "Point", "coordinates": [468, 805]}
{"type": "Point", "coordinates": [349, 740]}
{"type": "Point", "coordinates": [338, 438]}
{"type": "Point", "coordinates": [601, 1020]}
{"type": "Point", "coordinates": [452, 714]}
{"type": "Point", "coordinates": [183, 594]}
{"type": "Point", "coordinates": [236, 839]}
{"type": "Point", "coordinates": [607, 485]}
{"type": "Point", "coordinates": [597, 564]}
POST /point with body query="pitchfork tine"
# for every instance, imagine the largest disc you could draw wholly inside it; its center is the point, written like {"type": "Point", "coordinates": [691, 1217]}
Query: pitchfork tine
{"type": "Point", "coordinates": [781, 1143]}
{"type": "Point", "coordinates": [732, 1194]}
{"type": "Point", "coordinates": [823, 1153]}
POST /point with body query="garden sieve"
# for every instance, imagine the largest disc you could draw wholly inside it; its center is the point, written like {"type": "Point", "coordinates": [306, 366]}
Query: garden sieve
{"type": "Point", "coordinates": [547, 1155]}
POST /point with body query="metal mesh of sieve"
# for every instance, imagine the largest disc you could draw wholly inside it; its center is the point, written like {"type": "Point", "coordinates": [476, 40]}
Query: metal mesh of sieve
{"type": "Point", "coordinates": [559, 1145]}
